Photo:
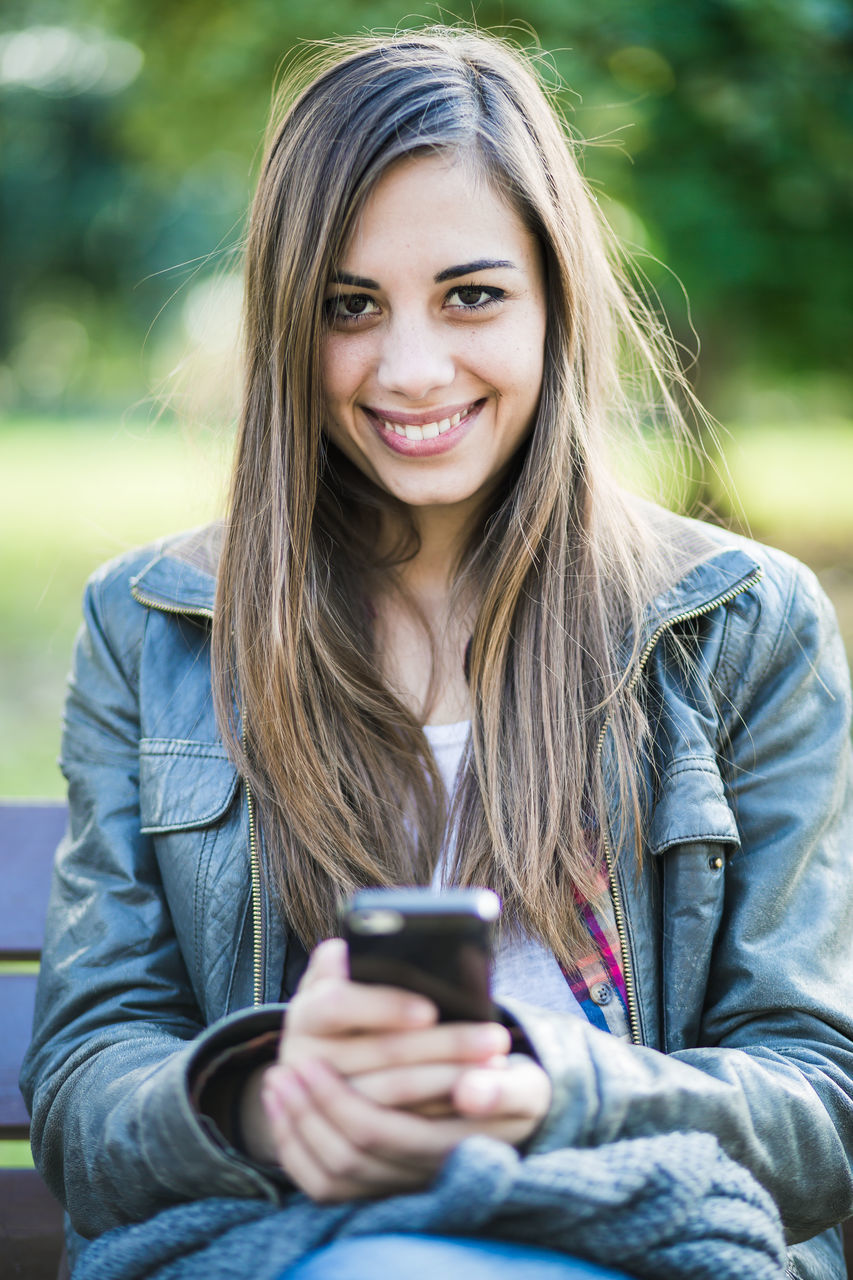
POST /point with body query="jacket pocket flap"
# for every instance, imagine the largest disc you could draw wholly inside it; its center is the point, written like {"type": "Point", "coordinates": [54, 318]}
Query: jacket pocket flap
{"type": "Point", "coordinates": [183, 785]}
{"type": "Point", "coordinates": [691, 806]}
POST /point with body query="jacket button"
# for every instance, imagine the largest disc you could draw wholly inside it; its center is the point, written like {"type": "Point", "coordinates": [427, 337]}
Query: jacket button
{"type": "Point", "coordinates": [601, 993]}
{"type": "Point", "coordinates": [715, 863]}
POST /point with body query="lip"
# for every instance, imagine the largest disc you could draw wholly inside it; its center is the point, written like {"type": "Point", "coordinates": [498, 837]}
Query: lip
{"type": "Point", "coordinates": [420, 419]}
{"type": "Point", "coordinates": [424, 448]}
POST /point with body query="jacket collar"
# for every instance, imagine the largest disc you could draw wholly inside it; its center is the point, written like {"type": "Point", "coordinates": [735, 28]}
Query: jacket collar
{"type": "Point", "coordinates": [727, 570]}
{"type": "Point", "coordinates": [181, 577]}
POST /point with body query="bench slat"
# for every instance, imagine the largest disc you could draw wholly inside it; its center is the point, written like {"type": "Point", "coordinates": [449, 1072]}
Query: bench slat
{"type": "Point", "coordinates": [29, 834]}
{"type": "Point", "coordinates": [17, 997]}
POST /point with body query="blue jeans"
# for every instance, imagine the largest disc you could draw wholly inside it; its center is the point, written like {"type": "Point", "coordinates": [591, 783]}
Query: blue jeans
{"type": "Point", "coordinates": [412, 1257]}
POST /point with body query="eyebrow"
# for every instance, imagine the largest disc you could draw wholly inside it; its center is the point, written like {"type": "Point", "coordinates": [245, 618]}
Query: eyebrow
{"type": "Point", "coordinates": [361, 282]}
{"type": "Point", "coordinates": [449, 273]}
{"type": "Point", "coordinates": [468, 268]}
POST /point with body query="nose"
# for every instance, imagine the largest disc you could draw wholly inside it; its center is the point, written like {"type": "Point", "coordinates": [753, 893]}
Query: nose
{"type": "Point", "coordinates": [415, 358]}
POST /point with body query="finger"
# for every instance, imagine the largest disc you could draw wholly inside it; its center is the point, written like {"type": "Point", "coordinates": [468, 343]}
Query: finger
{"type": "Point", "coordinates": [318, 1158]}
{"type": "Point", "coordinates": [409, 1086]}
{"type": "Point", "coordinates": [334, 1006]}
{"type": "Point", "coordinates": [356, 1054]}
{"type": "Point", "coordinates": [522, 1089]}
{"type": "Point", "coordinates": [331, 1152]}
{"type": "Point", "coordinates": [388, 1134]}
{"type": "Point", "coordinates": [404, 1137]}
{"type": "Point", "coordinates": [280, 1128]}
{"type": "Point", "coordinates": [330, 959]}
{"type": "Point", "coordinates": [448, 1042]}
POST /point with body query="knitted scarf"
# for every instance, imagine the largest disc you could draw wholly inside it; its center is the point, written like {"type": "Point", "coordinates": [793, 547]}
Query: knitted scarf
{"type": "Point", "coordinates": [668, 1207]}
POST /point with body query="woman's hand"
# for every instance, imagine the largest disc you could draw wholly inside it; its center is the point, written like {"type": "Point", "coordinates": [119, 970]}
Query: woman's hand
{"type": "Point", "coordinates": [359, 1028]}
{"type": "Point", "coordinates": [371, 1094]}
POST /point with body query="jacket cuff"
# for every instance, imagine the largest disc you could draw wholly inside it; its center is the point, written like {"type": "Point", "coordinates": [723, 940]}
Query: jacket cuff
{"type": "Point", "coordinates": [560, 1044]}
{"type": "Point", "coordinates": [225, 1049]}
{"type": "Point", "coordinates": [217, 1087]}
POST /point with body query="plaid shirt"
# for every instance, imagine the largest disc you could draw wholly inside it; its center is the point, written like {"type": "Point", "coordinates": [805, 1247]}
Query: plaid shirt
{"type": "Point", "coordinates": [597, 982]}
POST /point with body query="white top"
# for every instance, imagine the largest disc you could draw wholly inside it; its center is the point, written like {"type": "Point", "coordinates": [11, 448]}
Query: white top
{"type": "Point", "coordinates": [523, 968]}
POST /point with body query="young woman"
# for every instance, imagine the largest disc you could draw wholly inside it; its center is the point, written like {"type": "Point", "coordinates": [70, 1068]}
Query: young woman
{"type": "Point", "coordinates": [434, 641]}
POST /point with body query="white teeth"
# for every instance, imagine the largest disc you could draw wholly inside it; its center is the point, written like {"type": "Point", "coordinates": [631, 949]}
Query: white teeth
{"type": "Point", "coordinates": [429, 430]}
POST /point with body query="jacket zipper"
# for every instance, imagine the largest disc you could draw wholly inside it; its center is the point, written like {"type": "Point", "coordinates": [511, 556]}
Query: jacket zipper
{"type": "Point", "coordinates": [257, 898]}
{"type": "Point", "coordinates": [615, 892]}
{"type": "Point", "coordinates": [201, 611]}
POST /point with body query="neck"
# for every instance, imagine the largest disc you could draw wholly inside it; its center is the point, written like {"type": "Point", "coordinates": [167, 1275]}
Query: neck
{"type": "Point", "coordinates": [442, 534]}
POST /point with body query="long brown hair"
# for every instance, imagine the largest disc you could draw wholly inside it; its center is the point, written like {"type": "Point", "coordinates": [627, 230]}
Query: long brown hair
{"type": "Point", "coordinates": [562, 563]}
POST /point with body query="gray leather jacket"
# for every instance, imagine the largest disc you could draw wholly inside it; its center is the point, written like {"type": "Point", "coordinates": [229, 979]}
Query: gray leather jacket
{"type": "Point", "coordinates": [162, 948]}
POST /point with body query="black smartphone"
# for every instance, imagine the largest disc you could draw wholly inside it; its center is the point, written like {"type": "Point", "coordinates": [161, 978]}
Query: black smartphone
{"type": "Point", "coordinates": [437, 943]}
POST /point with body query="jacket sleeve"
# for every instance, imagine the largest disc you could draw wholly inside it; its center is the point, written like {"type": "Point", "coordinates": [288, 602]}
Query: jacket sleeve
{"type": "Point", "coordinates": [118, 1037]}
{"type": "Point", "coordinates": [772, 1076]}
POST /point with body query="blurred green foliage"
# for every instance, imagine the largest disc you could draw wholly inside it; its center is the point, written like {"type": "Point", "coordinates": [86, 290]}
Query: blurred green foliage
{"type": "Point", "coordinates": [721, 140]}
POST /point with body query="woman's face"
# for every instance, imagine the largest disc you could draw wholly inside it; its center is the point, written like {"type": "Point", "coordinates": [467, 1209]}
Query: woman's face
{"type": "Point", "coordinates": [433, 357]}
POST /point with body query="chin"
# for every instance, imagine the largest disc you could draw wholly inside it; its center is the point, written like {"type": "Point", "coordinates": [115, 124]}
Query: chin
{"type": "Point", "coordinates": [435, 498]}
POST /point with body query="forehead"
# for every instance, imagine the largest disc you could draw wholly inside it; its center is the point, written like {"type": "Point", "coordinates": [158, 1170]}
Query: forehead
{"type": "Point", "coordinates": [434, 208]}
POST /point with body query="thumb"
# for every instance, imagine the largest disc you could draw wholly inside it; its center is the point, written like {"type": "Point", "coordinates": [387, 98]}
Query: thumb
{"type": "Point", "coordinates": [518, 1088]}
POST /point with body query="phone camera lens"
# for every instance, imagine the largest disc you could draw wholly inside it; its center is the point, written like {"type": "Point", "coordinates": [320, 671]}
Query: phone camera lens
{"type": "Point", "coordinates": [374, 921]}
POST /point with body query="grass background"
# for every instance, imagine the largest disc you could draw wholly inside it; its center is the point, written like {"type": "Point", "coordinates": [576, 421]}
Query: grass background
{"type": "Point", "coordinates": [75, 493]}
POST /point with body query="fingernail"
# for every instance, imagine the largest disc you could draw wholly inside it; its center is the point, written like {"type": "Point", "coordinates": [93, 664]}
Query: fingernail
{"type": "Point", "coordinates": [481, 1088]}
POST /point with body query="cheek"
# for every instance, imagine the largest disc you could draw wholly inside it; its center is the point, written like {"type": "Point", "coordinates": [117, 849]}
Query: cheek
{"type": "Point", "coordinates": [339, 371]}
{"type": "Point", "coordinates": [534, 355]}
{"type": "Point", "coordinates": [329, 371]}
{"type": "Point", "coordinates": [517, 361]}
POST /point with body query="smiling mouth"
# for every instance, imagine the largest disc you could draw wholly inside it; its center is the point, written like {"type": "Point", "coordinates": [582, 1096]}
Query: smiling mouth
{"type": "Point", "coordinates": [425, 430]}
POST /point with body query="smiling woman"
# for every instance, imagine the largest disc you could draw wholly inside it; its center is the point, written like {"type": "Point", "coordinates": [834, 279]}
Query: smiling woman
{"type": "Point", "coordinates": [435, 644]}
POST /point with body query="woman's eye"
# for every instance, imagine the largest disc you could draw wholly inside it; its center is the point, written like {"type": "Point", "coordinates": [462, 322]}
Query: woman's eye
{"type": "Point", "coordinates": [350, 307]}
{"type": "Point", "coordinates": [475, 297]}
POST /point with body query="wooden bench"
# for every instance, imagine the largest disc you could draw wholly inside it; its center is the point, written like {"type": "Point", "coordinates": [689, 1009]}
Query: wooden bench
{"type": "Point", "coordinates": [31, 1240]}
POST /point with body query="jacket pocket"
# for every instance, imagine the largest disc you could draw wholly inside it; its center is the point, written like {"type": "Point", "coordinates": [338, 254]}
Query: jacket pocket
{"type": "Point", "coordinates": [183, 785]}
{"type": "Point", "coordinates": [187, 793]}
{"type": "Point", "coordinates": [691, 834]}
{"type": "Point", "coordinates": [691, 806]}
